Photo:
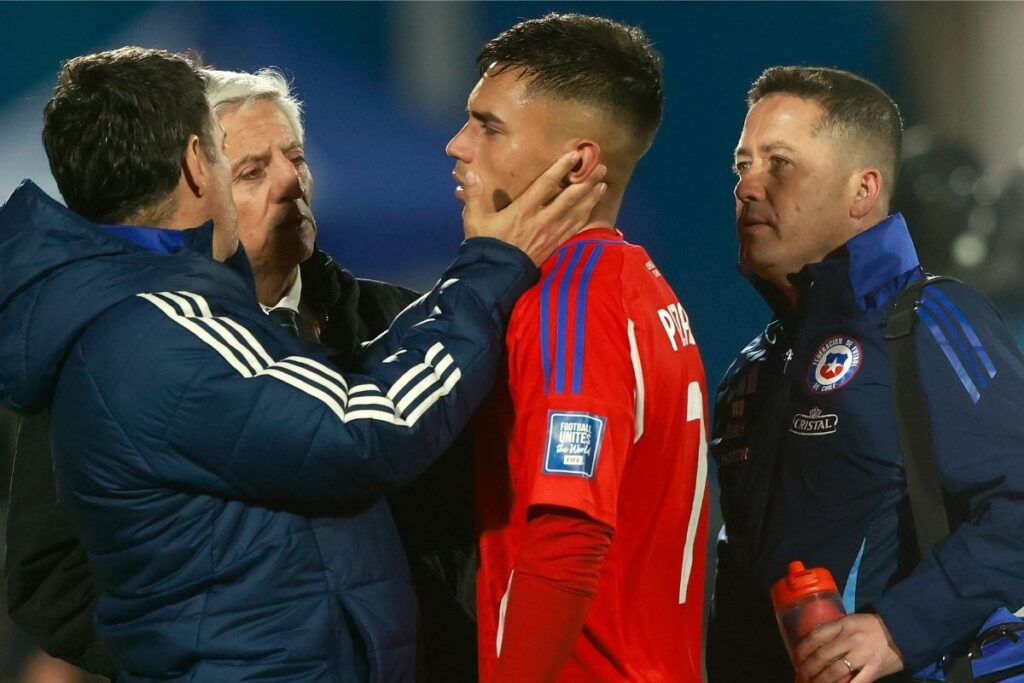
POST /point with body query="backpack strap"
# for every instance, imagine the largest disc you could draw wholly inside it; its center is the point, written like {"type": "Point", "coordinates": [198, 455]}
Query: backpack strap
{"type": "Point", "coordinates": [924, 486]}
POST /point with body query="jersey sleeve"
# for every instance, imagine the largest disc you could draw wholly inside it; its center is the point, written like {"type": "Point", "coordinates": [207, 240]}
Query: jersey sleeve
{"type": "Point", "coordinates": [573, 386]}
{"type": "Point", "coordinates": [972, 374]}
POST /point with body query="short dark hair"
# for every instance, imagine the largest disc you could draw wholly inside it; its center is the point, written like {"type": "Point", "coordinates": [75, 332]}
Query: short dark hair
{"type": "Point", "coordinates": [116, 129]}
{"type": "Point", "coordinates": [850, 102]}
{"type": "Point", "coordinates": [586, 59]}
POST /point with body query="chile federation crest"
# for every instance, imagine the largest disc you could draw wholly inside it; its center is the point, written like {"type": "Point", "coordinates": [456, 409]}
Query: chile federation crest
{"type": "Point", "coordinates": [834, 364]}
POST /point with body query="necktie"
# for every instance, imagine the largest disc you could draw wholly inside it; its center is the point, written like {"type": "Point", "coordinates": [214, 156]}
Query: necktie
{"type": "Point", "coordinates": [285, 317]}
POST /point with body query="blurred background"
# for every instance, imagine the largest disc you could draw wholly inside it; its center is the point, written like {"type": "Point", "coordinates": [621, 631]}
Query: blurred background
{"type": "Point", "coordinates": [385, 86]}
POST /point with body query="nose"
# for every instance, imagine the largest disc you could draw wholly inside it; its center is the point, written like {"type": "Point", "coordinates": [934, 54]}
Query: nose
{"type": "Point", "coordinates": [289, 184]}
{"type": "Point", "coordinates": [457, 147]}
{"type": "Point", "coordinates": [750, 186]}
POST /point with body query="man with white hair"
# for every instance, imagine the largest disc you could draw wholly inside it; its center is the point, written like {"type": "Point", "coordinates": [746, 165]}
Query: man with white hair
{"type": "Point", "coordinates": [300, 285]}
{"type": "Point", "coordinates": [272, 187]}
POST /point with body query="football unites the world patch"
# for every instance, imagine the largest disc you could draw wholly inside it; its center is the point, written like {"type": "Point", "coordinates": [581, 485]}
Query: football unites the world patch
{"type": "Point", "coordinates": [573, 443]}
{"type": "Point", "coordinates": [834, 364]}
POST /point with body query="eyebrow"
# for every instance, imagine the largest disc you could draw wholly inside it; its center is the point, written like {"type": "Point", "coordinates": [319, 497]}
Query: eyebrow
{"type": "Point", "coordinates": [248, 158]}
{"type": "Point", "coordinates": [262, 156]}
{"type": "Point", "coordinates": [766, 148]}
{"type": "Point", "coordinates": [485, 116]}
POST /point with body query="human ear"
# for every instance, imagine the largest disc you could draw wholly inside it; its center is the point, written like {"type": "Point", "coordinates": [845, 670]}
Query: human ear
{"type": "Point", "coordinates": [193, 166]}
{"type": "Point", "coordinates": [590, 158]}
{"type": "Point", "coordinates": [867, 189]}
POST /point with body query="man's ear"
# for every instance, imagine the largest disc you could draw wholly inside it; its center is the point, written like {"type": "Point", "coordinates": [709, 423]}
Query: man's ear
{"type": "Point", "coordinates": [590, 157]}
{"type": "Point", "coordinates": [194, 167]}
{"type": "Point", "coordinates": [867, 191]}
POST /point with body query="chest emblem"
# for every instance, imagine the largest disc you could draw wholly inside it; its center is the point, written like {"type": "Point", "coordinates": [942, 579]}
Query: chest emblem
{"type": "Point", "coordinates": [834, 364]}
{"type": "Point", "coordinates": [814, 423]}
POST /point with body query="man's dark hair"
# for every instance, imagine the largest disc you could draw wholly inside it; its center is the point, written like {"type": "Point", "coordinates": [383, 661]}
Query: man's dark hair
{"type": "Point", "coordinates": [116, 129]}
{"type": "Point", "coordinates": [585, 59]}
{"type": "Point", "coordinates": [853, 105]}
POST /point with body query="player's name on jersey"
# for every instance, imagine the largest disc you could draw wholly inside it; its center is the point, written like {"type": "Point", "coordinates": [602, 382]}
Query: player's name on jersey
{"type": "Point", "coordinates": [677, 325]}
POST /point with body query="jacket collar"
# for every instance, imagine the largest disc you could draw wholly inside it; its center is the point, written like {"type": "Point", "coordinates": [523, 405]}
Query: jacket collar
{"type": "Point", "coordinates": [880, 258]}
{"type": "Point", "coordinates": [164, 241]}
{"type": "Point", "coordinates": [861, 276]}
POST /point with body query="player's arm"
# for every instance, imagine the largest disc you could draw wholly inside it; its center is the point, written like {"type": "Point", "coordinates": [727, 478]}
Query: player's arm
{"type": "Point", "coordinates": [554, 579]}
{"type": "Point", "coordinates": [973, 376]}
{"type": "Point", "coordinates": [575, 418]}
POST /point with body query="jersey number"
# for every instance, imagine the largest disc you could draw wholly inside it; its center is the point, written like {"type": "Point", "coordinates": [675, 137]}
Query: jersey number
{"type": "Point", "coordinates": [694, 411]}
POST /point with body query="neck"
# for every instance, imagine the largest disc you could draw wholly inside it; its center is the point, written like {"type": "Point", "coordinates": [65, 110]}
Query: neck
{"type": "Point", "coordinates": [792, 296]}
{"type": "Point", "coordinates": [174, 212]}
{"type": "Point", "coordinates": [271, 285]}
{"type": "Point", "coordinates": [606, 213]}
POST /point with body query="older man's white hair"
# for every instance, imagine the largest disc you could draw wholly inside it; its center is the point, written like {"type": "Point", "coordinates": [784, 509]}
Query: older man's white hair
{"type": "Point", "coordinates": [240, 89]}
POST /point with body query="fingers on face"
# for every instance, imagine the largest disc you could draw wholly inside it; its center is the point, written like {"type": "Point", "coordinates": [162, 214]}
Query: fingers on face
{"type": "Point", "coordinates": [549, 184]}
{"type": "Point", "coordinates": [582, 197]}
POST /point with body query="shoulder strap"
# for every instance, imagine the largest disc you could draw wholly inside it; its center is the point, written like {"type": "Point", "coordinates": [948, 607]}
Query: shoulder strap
{"type": "Point", "coordinates": [924, 487]}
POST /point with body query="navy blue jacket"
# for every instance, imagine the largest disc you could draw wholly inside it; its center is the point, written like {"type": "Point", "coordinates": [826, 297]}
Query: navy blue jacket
{"type": "Point", "coordinates": [225, 477]}
{"type": "Point", "coordinates": [810, 466]}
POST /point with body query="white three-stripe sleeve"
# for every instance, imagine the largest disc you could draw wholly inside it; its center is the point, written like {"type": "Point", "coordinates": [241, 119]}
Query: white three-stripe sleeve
{"type": "Point", "coordinates": [278, 437]}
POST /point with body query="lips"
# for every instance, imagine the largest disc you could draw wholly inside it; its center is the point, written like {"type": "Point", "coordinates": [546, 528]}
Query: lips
{"type": "Point", "coordinates": [295, 219]}
{"type": "Point", "coordinates": [753, 220]}
{"type": "Point", "coordinates": [459, 185]}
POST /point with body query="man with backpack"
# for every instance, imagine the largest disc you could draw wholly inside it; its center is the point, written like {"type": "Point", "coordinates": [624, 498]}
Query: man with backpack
{"type": "Point", "coordinates": [805, 436]}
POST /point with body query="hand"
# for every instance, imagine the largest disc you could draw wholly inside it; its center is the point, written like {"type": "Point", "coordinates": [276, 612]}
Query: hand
{"type": "Point", "coordinates": [860, 639]}
{"type": "Point", "coordinates": [543, 216]}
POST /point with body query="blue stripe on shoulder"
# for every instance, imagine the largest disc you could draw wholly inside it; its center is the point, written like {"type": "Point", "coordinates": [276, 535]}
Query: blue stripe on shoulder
{"type": "Point", "coordinates": [968, 330]}
{"type": "Point", "coordinates": [545, 308]}
{"type": "Point", "coordinates": [581, 318]}
{"type": "Point", "coordinates": [956, 335]}
{"type": "Point", "coordinates": [595, 240]}
{"type": "Point", "coordinates": [563, 318]}
{"type": "Point", "coordinates": [850, 589]}
{"type": "Point", "coordinates": [951, 356]}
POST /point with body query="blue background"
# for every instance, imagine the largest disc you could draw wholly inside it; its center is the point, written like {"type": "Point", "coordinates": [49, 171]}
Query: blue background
{"type": "Point", "coordinates": [383, 191]}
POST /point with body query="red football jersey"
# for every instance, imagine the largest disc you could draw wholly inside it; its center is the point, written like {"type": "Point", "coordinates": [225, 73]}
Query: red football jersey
{"type": "Point", "coordinates": [603, 411]}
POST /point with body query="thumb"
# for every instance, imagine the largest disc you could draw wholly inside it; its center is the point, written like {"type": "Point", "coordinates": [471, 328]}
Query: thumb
{"type": "Point", "coordinates": [473, 198]}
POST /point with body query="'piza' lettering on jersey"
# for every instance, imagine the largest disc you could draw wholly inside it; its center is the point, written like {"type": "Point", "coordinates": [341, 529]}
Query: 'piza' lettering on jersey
{"type": "Point", "coordinates": [677, 325]}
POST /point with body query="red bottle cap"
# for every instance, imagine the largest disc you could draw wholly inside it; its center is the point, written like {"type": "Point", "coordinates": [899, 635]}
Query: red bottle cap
{"type": "Point", "coordinates": [801, 582]}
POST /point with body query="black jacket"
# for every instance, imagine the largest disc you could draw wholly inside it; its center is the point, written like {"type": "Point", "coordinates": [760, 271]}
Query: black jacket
{"type": "Point", "coordinates": [52, 591]}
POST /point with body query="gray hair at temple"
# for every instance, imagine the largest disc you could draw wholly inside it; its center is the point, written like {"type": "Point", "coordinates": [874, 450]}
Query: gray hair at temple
{"type": "Point", "coordinates": [241, 89]}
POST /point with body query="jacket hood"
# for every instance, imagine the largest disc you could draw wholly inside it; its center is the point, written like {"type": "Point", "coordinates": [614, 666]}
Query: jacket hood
{"type": "Point", "coordinates": [58, 273]}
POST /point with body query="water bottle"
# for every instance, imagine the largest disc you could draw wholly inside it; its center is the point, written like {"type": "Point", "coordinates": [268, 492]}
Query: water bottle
{"type": "Point", "coordinates": [803, 600]}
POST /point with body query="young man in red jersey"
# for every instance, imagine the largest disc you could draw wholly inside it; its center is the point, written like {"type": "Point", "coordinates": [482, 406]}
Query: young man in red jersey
{"type": "Point", "coordinates": [591, 469]}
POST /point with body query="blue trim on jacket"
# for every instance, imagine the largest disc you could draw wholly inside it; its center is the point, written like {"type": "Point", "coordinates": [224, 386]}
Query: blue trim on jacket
{"type": "Point", "coordinates": [880, 257]}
